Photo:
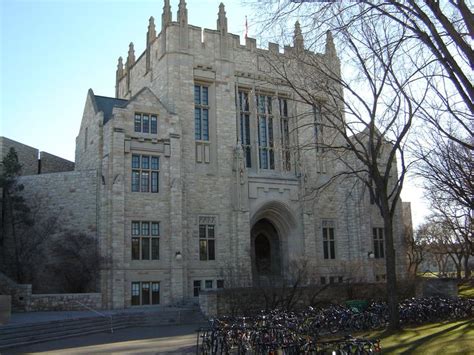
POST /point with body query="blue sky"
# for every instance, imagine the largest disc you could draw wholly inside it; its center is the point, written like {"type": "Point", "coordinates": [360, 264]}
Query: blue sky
{"type": "Point", "coordinates": [53, 51]}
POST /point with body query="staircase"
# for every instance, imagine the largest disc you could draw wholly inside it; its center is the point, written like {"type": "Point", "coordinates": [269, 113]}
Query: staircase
{"type": "Point", "coordinates": [15, 335]}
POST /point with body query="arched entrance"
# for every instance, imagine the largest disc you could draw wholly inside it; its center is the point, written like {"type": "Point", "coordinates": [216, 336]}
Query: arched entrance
{"type": "Point", "coordinates": [266, 256]}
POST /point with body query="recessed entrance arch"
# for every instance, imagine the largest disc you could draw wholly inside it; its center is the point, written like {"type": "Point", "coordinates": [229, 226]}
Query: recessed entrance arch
{"type": "Point", "coordinates": [274, 234]}
{"type": "Point", "coordinates": [266, 249]}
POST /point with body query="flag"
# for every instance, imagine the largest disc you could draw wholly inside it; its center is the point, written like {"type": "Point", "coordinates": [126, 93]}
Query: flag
{"type": "Point", "coordinates": [246, 31]}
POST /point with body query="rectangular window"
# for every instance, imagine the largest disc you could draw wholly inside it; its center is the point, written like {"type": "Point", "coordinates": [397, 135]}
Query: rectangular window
{"type": "Point", "coordinates": [196, 287]}
{"type": "Point", "coordinates": [265, 132]}
{"type": "Point", "coordinates": [145, 293]}
{"type": "Point", "coordinates": [244, 112]}
{"type": "Point", "coordinates": [323, 280]}
{"type": "Point", "coordinates": [220, 283]}
{"type": "Point", "coordinates": [379, 245]}
{"type": "Point", "coordinates": [285, 134]}
{"type": "Point", "coordinates": [135, 293]}
{"type": "Point", "coordinates": [154, 124]}
{"type": "Point", "coordinates": [209, 284]}
{"type": "Point", "coordinates": [145, 173]}
{"type": "Point", "coordinates": [155, 293]}
{"type": "Point", "coordinates": [207, 242]}
{"type": "Point", "coordinates": [145, 240]}
{"type": "Point", "coordinates": [329, 248]}
{"type": "Point", "coordinates": [145, 248]}
{"type": "Point", "coordinates": [201, 112]}
{"type": "Point", "coordinates": [145, 123]}
{"type": "Point", "coordinates": [138, 122]}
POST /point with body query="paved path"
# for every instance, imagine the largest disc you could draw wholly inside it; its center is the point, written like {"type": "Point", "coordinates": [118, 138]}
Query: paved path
{"type": "Point", "coordinates": [36, 317]}
{"type": "Point", "coordinates": [176, 339]}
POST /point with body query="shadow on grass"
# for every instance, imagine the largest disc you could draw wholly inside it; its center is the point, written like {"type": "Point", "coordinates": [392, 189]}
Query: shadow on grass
{"type": "Point", "coordinates": [409, 345]}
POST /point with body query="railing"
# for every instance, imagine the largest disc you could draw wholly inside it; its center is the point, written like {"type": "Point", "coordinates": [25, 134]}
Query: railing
{"type": "Point", "coordinates": [99, 313]}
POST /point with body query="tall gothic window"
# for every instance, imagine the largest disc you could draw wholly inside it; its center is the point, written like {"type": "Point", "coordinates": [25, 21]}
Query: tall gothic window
{"type": "Point", "coordinates": [265, 132]}
{"type": "Point", "coordinates": [329, 247]}
{"type": "Point", "coordinates": [244, 112]}
{"type": "Point", "coordinates": [318, 128]}
{"type": "Point", "coordinates": [201, 113]}
{"type": "Point", "coordinates": [379, 244]}
{"type": "Point", "coordinates": [285, 134]}
{"type": "Point", "coordinates": [207, 246]}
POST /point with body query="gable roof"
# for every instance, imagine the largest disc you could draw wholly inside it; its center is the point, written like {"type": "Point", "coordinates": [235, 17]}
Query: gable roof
{"type": "Point", "coordinates": [106, 105]}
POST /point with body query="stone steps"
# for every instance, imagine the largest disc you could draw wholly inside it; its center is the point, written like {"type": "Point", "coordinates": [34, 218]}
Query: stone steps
{"type": "Point", "coordinates": [15, 335]}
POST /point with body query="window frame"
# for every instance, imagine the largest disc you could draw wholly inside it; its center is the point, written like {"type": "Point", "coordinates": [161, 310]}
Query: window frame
{"type": "Point", "coordinates": [243, 103]}
{"type": "Point", "coordinates": [145, 176]}
{"type": "Point", "coordinates": [145, 123]}
{"type": "Point", "coordinates": [148, 294]}
{"type": "Point", "coordinates": [207, 230]}
{"type": "Point", "coordinates": [145, 241]}
{"type": "Point", "coordinates": [265, 132]}
{"type": "Point", "coordinates": [328, 227]}
{"type": "Point", "coordinates": [201, 106]}
{"type": "Point", "coordinates": [197, 286]}
{"type": "Point", "coordinates": [284, 134]}
{"type": "Point", "coordinates": [378, 237]}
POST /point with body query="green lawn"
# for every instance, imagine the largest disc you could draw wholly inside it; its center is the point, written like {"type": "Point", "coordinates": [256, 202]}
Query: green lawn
{"type": "Point", "coordinates": [466, 290]}
{"type": "Point", "coordinates": [437, 338]}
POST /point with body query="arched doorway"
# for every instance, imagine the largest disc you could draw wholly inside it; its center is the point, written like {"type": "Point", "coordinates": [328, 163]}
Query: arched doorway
{"type": "Point", "coordinates": [266, 257]}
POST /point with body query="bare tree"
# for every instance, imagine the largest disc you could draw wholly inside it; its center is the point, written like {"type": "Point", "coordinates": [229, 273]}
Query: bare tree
{"type": "Point", "coordinates": [77, 262]}
{"type": "Point", "coordinates": [448, 172]}
{"type": "Point", "coordinates": [25, 228]}
{"type": "Point", "coordinates": [416, 249]}
{"type": "Point", "coordinates": [366, 112]}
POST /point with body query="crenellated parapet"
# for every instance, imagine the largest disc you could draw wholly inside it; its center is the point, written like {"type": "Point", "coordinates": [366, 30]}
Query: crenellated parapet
{"type": "Point", "coordinates": [180, 37]}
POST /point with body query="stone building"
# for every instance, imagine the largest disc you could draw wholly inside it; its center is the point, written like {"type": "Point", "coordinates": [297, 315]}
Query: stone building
{"type": "Point", "coordinates": [199, 180]}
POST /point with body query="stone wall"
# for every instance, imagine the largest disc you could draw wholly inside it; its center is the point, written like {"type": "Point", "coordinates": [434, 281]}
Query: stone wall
{"type": "Point", "coordinates": [50, 163]}
{"type": "Point", "coordinates": [66, 302]}
{"type": "Point", "coordinates": [20, 293]}
{"type": "Point", "coordinates": [28, 156]}
{"type": "Point", "coordinates": [71, 196]}
{"type": "Point", "coordinates": [61, 204]}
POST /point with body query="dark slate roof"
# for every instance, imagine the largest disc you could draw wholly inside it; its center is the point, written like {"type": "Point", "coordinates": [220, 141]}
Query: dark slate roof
{"type": "Point", "coordinates": [106, 105]}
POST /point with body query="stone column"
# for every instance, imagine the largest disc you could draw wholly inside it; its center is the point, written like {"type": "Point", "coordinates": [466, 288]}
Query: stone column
{"type": "Point", "coordinates": [117, 188]}
{"type": "Point", "coordinates": [177, 270]}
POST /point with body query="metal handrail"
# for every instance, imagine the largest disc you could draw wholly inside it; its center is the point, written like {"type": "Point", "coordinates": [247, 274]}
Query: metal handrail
{"type": "Point", "coordinates": [100, 314]}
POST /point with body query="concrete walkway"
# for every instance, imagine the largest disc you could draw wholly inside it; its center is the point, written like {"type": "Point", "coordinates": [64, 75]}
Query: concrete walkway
{"type": "Point", "coordinates": [176, 339]}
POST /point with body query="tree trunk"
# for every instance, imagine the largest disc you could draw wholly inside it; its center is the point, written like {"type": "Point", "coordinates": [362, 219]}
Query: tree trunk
{"type": "Point", "coordinates": [467, 269]}
{"type": "Point", "coordinates": [390, 265]}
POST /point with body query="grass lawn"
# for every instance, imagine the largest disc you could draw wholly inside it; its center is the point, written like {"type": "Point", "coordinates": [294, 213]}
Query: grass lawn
{"type": "Point", "coordinates": [436, 338]}
{"type": "Point", "coordinates": [466, 290]}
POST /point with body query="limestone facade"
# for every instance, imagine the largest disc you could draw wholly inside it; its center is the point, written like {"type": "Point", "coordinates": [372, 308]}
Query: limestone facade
{"type": "Point", "coordinates": [202, 131]}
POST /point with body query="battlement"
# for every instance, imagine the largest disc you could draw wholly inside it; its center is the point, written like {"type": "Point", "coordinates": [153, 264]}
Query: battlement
{"type": "Point", "coordinates": [180, 37]}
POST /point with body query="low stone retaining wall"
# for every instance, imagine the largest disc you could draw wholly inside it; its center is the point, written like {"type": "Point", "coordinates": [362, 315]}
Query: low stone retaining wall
{"type": "Point", "coordinates": [65, 302]}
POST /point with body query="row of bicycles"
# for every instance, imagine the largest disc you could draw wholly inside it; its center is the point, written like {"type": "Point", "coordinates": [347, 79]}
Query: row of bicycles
{"type": "Point", "coordinates": [280, 332]}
